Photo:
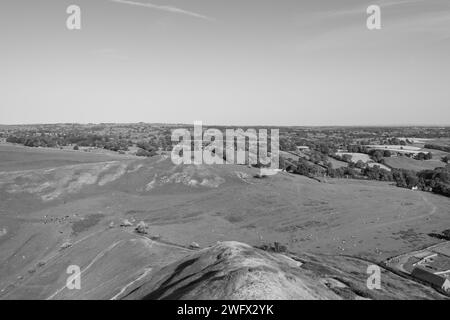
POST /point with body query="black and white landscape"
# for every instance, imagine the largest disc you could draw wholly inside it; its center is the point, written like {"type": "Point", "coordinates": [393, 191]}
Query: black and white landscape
{"type": "Point", "coordinates": [244, 150]}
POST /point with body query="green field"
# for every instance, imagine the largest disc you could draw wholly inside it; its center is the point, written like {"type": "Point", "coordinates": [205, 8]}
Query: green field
{"type": "Point", "coordinates": [413, 164]}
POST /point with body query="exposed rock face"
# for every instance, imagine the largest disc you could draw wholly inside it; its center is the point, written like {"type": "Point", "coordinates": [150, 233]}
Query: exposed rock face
{"type": "Point", "coordinates": [126, 223]}
{"type": "Point", "coordinates": [142, 228]}
{"type": "Point", "coordinates": [66, 245]}
{"type": "Point", "coordinates": [233, 270]}
{"type": "Point", "coordinates": [194, 245]}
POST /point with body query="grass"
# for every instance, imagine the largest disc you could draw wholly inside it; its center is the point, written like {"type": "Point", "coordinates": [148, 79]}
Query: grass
{"type": "Point", "coordinates": [15, 157]}
{"type": "Point", "coordinates": [337, 164]}
{"type": "Point", "coordinates": [412, 164]}
{"type": "Point", "coordinates": [360, 218]}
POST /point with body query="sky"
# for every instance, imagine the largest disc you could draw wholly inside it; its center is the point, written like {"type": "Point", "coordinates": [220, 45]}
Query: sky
{"type": "Point", "coordinates": [226, 62]}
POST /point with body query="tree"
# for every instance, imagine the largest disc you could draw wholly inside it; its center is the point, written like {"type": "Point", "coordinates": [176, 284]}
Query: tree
{"type": "Point", "coordinates": [360, 164]}
{"type": "Point", "coordinates": [446, 233]}
{"type": "Point", "coordinates": [146, 146]}
{"type": "Point", "coordinates": [377, 155]}
{"type": "Point", "coordinates": [145, 153]}
{"type": "Point", "coordinates": [347, 158]}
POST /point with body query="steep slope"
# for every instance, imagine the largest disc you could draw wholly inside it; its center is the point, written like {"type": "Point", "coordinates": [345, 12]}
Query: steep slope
{"type": "Point", "coordinates": [233, 270]}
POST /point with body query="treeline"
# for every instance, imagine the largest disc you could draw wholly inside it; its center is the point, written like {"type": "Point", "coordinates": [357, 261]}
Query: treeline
{"type": "Point", "coordinates": [437, 147]}
{"type": "Point", "coordinates": [290, 143]}
{"type": "Point", "coordinates": [33, 141]}
{"type": "Point", "coordinates": [79, 140]}
{"type": "Point", "coordinates": [437, 180]}
{"type": "Point", "coordinates": [94, 140]}
{"type": "Point", "coordinates": [146, 149]}
{"type": "Point", "coordinates": [304, 168]}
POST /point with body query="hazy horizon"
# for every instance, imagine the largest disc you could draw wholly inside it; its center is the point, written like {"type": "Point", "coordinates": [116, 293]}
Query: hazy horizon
{"type": "Point", "coordinates": [241, 63]}
{"type": "Point", "coordinates": [231, 124]}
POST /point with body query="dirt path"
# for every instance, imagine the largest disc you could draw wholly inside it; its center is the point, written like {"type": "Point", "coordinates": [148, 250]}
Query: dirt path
{"type": "Point", "coordinates": [124, 288]}
{"type": "Point", "coordinates": [112, 246]}
{"type": "Point", "coordinates": [96, 258]}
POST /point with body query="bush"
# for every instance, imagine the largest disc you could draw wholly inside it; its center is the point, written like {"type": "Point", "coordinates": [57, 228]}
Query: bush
{"type": "Point", "coordinates": [145, 153]}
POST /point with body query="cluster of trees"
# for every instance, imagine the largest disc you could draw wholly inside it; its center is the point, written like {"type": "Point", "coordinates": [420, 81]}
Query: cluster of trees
{"type": "Point", "coordinates": [377, 173]}
{"type": "Point", "coordinates": [146, 149]}
{"type": "Point", "coordinates": [33, 141]}
{"type": "Point", "coordinates": [444, 235]}
{"type": "Point", "coordinates": [344, 157]}
{"type": "Point", "coordinates": [162, 140]}
{"type": "Point", "coordinates": [117, 145]}
{"type": "Point", "coordinates": [287, 144]}
{"type": "Point", "coordinates": [437, 180]}
{"type": "Point", "coordinates": [405, 178]}
{"type": "Point", "coordinates": [290, 141]}
{"type": "Point", "coordinates": [343, 172]}
{"type": "Point", "coordinates": [361, 171]}
{"type": "Point", "coordinates": [307, 169]}
{"type": "Point", "coordinates": [79, 139]}
{"type": "Point", "coordinates": [378, 155]}
{"type": "Point", "coordinates": [397, 141]}
{"type": "Point", "coordinates": [325, 148]}
{"type": "Point", "coordinates": [318, 157]}
{"type": "Point", "coordinates": [82, 140]}
{"type": "Point", "coordinates": [147, 146]}
{"type": "Point", "coordinates": [145, 153]}
{"type": "Point", "coordinates": [423, 156]}
{"type": "Point", "coordinates": [437, 147]}
{"type": "Point", "coordinates": [45, 140]}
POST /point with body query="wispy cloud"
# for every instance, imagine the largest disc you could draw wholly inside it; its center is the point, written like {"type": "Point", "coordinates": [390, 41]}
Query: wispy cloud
{"type": "Point", "coordinates": [164, 8]}
{"type": "Point", "coordinates": [361, 8]}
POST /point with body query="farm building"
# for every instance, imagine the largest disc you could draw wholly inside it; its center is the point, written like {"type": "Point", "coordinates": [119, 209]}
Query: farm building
{"type": "Point", "coordinates": [432, 279]}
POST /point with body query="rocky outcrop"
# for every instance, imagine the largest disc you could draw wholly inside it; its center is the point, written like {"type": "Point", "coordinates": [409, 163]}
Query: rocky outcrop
{"type": "Point", "coordinates": [233, 270]}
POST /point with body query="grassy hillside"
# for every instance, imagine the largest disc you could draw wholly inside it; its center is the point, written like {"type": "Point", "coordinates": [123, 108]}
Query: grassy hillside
{"type": "Point", "coordinates": [43, 210]}
{"type": "Point", "coordinates": [16, 157]}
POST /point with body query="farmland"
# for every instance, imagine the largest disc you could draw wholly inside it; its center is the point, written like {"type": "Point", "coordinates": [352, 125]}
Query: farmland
{"type": "Point", "coordinates": [412, 164]}
{"type": "Point", "coordinates": [78, 201]}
